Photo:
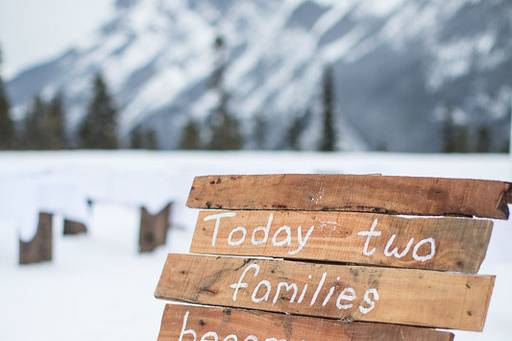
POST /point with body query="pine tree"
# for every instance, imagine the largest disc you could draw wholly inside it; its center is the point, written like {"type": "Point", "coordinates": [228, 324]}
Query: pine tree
{"type": "Point", "coordinates": [381, 147]}
{"type": "Point", "coordinates": [448, 131]}
{"type": "Point", "coordinates": [328, 138]}
{"type": "Point", "coordinates": [455, 136]}
{"type": "Point", "coordinates": [136, 138]}
{"type": "Point", "coordinates": [224, 126]}
{"type": "Point", "coordinates": [226, 136]}
{"type": "Point", "coordinates": [260, 132]}
{"type": "Point", "coordinates": [7, 128]}
{"type": "Point", "coordinates": [98, 129]}
{"type": "Point", "coordinates": [34, 133]}
{"type": "Point", "coordinates": [54, 127]}
{"type": "Point", "coordinates": [217, 77]}
{"type": "Point", "coordinates": [151, 139]}
{"type": "Point", "coordinates": [505, 148]}
{"type": "Point", "coordinates": [461, 139]}
{"type": "Point", "coordinates": [483, 140]}
{"type": "Point", "coordinates": [190, 138]}
{"type": "Point", "coordinates": [143, 139]}
{"type": "Point", "coordinates": [294, 133]}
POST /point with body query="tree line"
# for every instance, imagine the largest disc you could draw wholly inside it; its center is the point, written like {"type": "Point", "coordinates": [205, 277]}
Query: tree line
{"type": "Point", "coordinates": [223, 130]}
{"type": "Point", "coordinates": [459, 137]}
{"type": "Point", "coordinates": [44, 126]}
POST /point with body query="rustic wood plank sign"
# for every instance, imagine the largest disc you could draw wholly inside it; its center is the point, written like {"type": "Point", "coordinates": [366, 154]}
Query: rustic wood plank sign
{"type": "Point", "coordinates": [451, 244]}
{"type": "Point", "coordinates": [402, 296]}
{"type": "Point", "coordinates": [319, 223]}
{"type": "Point", "coordinates": [183, 322]}
{"type": "Point", "coordinates": [361, 193]}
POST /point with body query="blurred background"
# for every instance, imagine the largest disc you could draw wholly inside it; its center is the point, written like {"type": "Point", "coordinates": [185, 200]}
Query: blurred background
{"type": "Point", "coordinates": [108, 106]}
{"type": "Point", "coordinates": [413, 76]}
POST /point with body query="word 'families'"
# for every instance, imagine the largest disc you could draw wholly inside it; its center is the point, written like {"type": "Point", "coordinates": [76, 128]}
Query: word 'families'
{"type": "Point", "coordinates": [343, 298]}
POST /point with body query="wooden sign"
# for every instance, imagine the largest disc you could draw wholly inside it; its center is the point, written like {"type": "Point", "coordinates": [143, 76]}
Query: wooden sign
{"type": "Point", "coordinates": [402, 296]}
{"type": "Point", "coordinates": [452, 244]}
{"type": "Point", "coordinates": [184, 322]}
{"type": "Point", "coordinates": [323, 225]}
{"type": "Point", "coordinates": [360, 193]}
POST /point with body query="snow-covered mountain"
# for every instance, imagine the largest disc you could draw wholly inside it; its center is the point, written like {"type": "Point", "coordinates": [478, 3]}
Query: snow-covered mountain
{"type": "Point", "coordinates": [398, 65]}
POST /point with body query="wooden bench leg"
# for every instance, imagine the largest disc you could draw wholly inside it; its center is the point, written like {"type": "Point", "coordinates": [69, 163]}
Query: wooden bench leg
{"type": "Point", "coordinates": [153, 228]}
{"type": "Point", "coordinates": [73, 227]}
{"type": "Point", "coordinates": [39, 249]}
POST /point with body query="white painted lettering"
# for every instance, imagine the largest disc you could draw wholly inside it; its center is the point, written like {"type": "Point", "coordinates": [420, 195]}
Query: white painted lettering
{"type": "Point", "coordinates": [348, 294]}
{"type": "Point", "coordinates": [185, 331]}
{"type": "Point", "coordinates": [395, 252]}
{"type": "Point", "coordinates": [330, 292]}
{"type": "Point", "coordinates": [213, 335]}
{"type": "Point", "coordinates": [428, 256]}
{"type": "Point", "coordinates": [242, 285]}
{"type": "Point", "coordinates": [369, 301]}
{"type": "Point", "coordinates": [318, 288]}
{"type": "Point", "coordinates": [238, 242]}
{"type": "Point", "coordinates": [288, 287]}
{"type": "Point", "coordinates": [286, 241]}
{"type": "Point", "coordinates": [369, 234]}
{"type": "Point", "coordinates": [265, 229]}
{"type": "Point", "coordinates": [302, 242]}
{"type": "Point", "coordinates": [303, 293]}
{"type": "Point", "coordinates": [217, 218]}
{"type": "Point", "coordinates": [268, 287]}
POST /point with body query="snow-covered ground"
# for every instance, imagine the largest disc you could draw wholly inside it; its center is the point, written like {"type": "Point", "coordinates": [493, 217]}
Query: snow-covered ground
{"type": "Point", "coordinates": [99, 288]}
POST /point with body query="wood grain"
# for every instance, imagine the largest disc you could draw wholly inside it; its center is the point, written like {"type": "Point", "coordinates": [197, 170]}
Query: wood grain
{"type": "Point", "coordinates": [183, 320]}
{"type": "Point", "coordinates": [406, 296]}
{"type": "Point", "coordinates": [360, 193]}
{"type": "Point", "coordinates": [459, 244]}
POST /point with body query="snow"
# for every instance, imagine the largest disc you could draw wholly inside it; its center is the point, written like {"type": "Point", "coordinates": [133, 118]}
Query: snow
{"type": "Point", "coordinates": [99, 288]}
{"type": "Point", "coordinates": [340, 9]}
{"type": "Point", "coordinates": [380, 8]}
{"type": "Point", "coordinates": [158, 52]}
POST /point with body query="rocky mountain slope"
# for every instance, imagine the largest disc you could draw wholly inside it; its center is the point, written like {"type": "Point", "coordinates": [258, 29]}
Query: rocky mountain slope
{"type": "Point", "coordinates": [399, 65]}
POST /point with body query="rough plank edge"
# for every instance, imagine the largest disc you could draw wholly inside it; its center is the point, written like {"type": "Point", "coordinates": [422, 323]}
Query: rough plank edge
{"type": "Point", "coordinates": [505, 198]}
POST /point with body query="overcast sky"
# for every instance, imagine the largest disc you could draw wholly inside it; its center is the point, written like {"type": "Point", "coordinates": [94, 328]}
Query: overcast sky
{"type": "Point", "coordinates": [33, 30]}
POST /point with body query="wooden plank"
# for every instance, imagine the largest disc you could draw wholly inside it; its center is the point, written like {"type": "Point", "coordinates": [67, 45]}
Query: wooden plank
{"type": "Point", "coordinates": [360, 193]}
{"type": "Point", "coordinates": [401, 296]}
{"type": "Point", "coordinates": [451, 244]}
{"type": "Point", "coordinates": [184, 322]}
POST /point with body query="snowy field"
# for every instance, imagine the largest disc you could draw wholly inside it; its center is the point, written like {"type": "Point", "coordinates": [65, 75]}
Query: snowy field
{"type": "Point", "coordinates": [99, 288]}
